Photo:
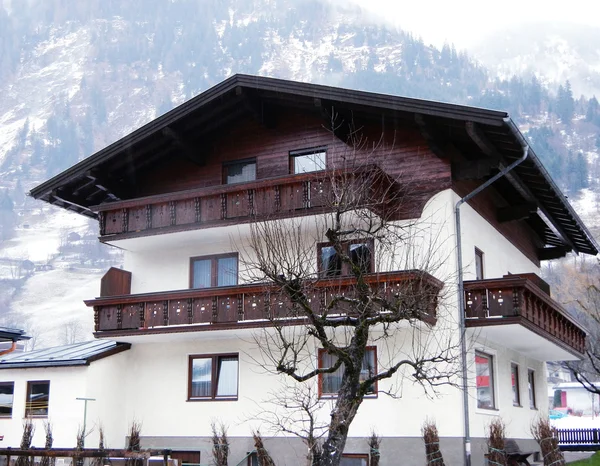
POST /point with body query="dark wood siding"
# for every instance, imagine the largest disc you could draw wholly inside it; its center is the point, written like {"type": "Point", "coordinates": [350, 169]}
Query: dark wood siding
{"type": "Point", "coordinates": [398, 148]}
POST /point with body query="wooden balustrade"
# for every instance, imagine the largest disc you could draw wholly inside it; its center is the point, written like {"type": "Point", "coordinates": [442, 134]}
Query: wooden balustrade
{"type": "Point", "coordinates": [514, 299]}
{"type": "Point", "coordinates": [284, 196]}
{"type": "Point", "coordinates": [252, 305]}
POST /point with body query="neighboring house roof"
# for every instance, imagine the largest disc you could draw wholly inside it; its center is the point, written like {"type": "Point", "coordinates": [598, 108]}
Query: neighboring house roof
{"type": "Point", "coordinates": [78, 354]}
{"type": "Point", "coordinates": [482, 136]}
{"type": "Point", "coordinates": [12, 334]}
{"type": "Point", "coordinates": [573, 385]}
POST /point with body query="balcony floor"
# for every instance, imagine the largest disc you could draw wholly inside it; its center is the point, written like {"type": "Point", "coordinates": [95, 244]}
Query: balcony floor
{"type": "Point", "coordinates": [516, 334]}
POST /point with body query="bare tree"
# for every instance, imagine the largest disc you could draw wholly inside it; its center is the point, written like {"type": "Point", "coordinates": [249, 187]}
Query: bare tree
{"type": "Point", "coordinates": [334, 311]}
{"type": "Point", "coordinates": [72, 332]}
{"type": "Point", "coordinates": [586, 291]}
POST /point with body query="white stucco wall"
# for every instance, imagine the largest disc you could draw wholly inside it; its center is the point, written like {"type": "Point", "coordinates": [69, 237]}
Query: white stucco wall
{"type": "Point", "coordinates": [65, 413]}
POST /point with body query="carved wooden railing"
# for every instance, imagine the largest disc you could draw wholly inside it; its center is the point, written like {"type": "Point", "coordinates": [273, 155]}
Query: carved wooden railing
{"type": "Point", "coordinates": [519, 299]}
{"type": "Point", "coordinates": [283, 196]}
{"type": "Point", "coordinates": [253, 305]}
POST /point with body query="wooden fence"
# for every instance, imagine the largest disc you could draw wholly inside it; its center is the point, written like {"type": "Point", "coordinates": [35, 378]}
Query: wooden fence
{"type": "Point", "coordinates": [578, 439]}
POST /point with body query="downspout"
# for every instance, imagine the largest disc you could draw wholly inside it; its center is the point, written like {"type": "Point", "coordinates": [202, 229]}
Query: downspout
{"type": "Point", "coordinates": [461, 294]}
{"type": "Point", "coordinates": [9, 350]}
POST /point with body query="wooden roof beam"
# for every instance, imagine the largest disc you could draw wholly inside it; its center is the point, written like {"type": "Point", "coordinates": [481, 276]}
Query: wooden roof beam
{"type": "Point", "coordinates": [336, 120]}
{"type": "Point", "coordinates": [555, 252]}
{"type": "Point", "coordinates": [77, 204]}
{"type": "Point", "coordinates": [262, 112]}
{"type": "Point", "coordinates": [185, 148]}
{"type": "Point", "coordinates": [431, 136]}
{"type": "Point", "coordinates": [516, 212]}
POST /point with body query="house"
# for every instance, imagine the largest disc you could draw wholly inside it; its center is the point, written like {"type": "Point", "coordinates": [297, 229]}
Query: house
{"type": "Point", "coordinates": [45, 385]}
{"type": "Point", "coordinates": [576, 399]}
{"type": "Point", "coordinates": [182, 196]}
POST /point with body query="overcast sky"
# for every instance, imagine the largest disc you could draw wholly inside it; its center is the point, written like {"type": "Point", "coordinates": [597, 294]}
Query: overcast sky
{"type": "Point", "coordinates": [464, 22]}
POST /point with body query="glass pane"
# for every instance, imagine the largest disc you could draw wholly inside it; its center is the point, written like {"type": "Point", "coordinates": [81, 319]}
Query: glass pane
{"type": "Point", "coordinates": [330, 383]}
{"type": "Point", "coordinates": [531, 388]}
{"type": "Point", "coordinates": [227, 272]}
{"type": "Point", "coordinates": [240, 172]}
{"type": "Point", "coordinates": [361, 254]}
{"type": "Point", "coordinates": [202, 273]}
{"type": "Point", "coordinates": [353, 461]}
{"type": "Point", "coordinates": [514, 369]}
{"type": "Point", "coordinates": [201, 377]}
{"type": "Point", "coordinates": [309, 162]}
{"type": "Point", "coordinates": [478, 265]}
{"type": "Point", "coordinates": [331, 264]}
{"type": "Point", "coordinates": [37, 399]}
{"type": "Point", "coordinates": [227, 384]}
{"type": "Point", "coordinates": [485, 382]}
{"type": "Point", "coordinates": [6, 399]}
{"type": "Point", "coordinates": [368, 368]}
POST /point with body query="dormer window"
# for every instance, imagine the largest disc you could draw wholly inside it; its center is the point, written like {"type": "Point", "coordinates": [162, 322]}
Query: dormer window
{"type": "Point", "coordinates": [308, 160]}
{"type": "Point", "coordinates": [240, 171]}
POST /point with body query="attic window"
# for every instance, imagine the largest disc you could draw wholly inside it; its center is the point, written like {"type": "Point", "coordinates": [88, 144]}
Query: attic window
{"type": "Point", "coordinates": [308, 160]}
{"type": "Point", "coordinates": [239, 171]}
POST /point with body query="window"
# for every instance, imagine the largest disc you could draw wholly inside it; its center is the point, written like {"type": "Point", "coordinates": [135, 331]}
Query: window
{"type": "Point", "coordinates": [479, 264]}
{"type": "Point", "coordinates": [213, 377]}
{"type": "Point", "coordinates": [239, 171]}
{"type": "Point", "coordinates": [7, 391]}
{"type": "Point", "coordinates": [217, 270]}
{"type": "Point", "coordinates": [330, 263]}
{"type": "Point", "coordinates": [329, 383]}
{"type": "Point", "coordinates": [484, 373]}
{"type": "Point", "coordinates": [309, 160]}
{"type": "Point", "coordinates": [38, 395]}
{"type": "Point", "coordinates": [252, 458]}
{"type": "Point", "coordinates": [514, 375]}
{"type": "Point", "coordinates": [531, 388]}
{"type": "Point", "coordinates": [351, 459]}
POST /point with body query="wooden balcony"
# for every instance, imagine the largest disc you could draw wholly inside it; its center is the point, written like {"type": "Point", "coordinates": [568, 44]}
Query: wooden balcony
{"type": "Point", "coordinates": [518, 312]}
{"type": "Point", "coordinates": [247, 305]}
{"type": "Point", "coordinates": [284, 196]}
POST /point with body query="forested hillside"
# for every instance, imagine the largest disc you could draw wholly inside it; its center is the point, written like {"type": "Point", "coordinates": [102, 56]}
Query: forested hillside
{"type": "Point", "coordinates": [75, 76]}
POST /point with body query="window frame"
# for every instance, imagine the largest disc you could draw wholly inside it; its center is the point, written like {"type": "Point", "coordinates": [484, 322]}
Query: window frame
{"type": "Point", "coordinates": [362, 456]}
{"type": "Point", "coordinates": [303, 152]}
{"type": "Point", "coordinates": [12, 401]}
{"type": "Point", "coordinates": [492, 381]}
{"type": "Point", "coordinates": [321, 394]}
{"type": "Point", "coordinates": [214, 380]}
{"type": "Point", "coordinates": [225, 167]}
{"type": "Point", "coordinates": [531, 388]}
{"type": "Point", "coordinates": [214, 258]}
{"type": "Point", "coordinates": [479, 269]}
{"type": "Point", "coordinates": [345, 272]}
{"type": "Point", "coordinates": [514, 366]}
{"type": "Point", "coordinates": [28, 407]}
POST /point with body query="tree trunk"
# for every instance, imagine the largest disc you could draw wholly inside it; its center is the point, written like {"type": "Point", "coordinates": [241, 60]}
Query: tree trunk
{"type": "Point", "coordinates": [342, 416]}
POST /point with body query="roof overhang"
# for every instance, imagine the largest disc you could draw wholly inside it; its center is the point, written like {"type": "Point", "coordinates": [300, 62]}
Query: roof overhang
{"type": "Point", "coordinates": [488, 138]}
{"type": "Point", "coordinates": [11, 334]}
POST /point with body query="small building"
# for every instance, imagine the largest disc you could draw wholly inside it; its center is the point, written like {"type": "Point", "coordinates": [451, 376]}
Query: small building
{"type": "Point", "coordinates": [43, 385]}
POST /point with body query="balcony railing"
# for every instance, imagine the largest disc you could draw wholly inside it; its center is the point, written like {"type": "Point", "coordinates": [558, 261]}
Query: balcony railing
{"type": "Point", "coordinates": [284, 196]}
{"type": "Point", "coordinates": [521, 300]}
{"type": "Point", "coordinates": [251, 305]}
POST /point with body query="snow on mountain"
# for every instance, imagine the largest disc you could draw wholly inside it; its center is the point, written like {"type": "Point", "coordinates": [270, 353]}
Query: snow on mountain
{"type": "Point", "coordinates": [554, 52]}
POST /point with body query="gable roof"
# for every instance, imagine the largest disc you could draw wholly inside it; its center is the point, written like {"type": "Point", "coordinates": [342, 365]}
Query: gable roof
{"type": "Point", "coordinates": [12, 334]}
{"type": "Point", "coordinates": [480, 134]}
{"type": "Point", "coordinates": [78, 354]}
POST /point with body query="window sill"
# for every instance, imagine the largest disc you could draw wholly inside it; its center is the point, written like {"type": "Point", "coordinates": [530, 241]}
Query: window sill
{"type": "Point", "coordinates": [193, 400]}
{"type": "Point", "coordinates": [36, 416]}
{"type": "Point", "coordinates": [334, 397]}
{"type": "Point", "coordinates": [488, 411]}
